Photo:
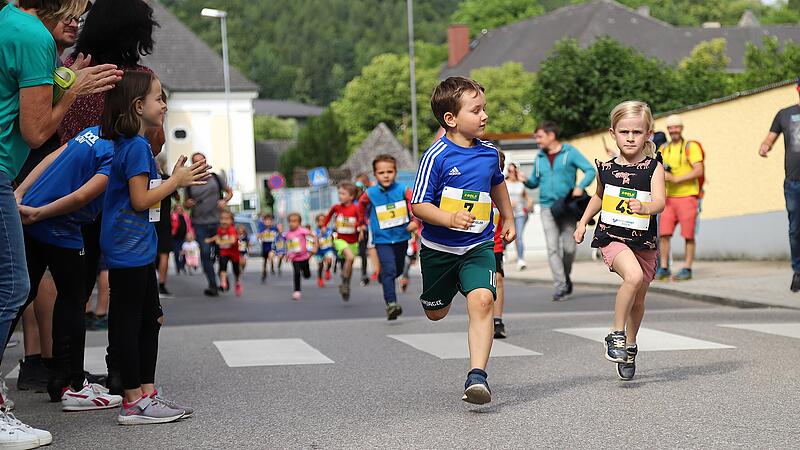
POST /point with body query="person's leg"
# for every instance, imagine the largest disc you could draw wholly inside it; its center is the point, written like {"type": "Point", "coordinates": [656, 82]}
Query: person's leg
{"type": "Point", "coordinates": [791, 193]}
{"type": "Point", "coordinates": [223, 272]}
{"type": "Point", "coordinates": [362, 251]}
{"type": "Point", "coordinates": [306, 269]}
{"type": "Point", "coordinates": [626, 265]}
{"type": "Point", "coordinates": [177, 246]}
{"type": "Point", "coordinates": [30, 332]}
{"type": "Point", "coordinates": [480, 303]}
{"type": "Point", "coordinates": [386, 259]}
{"type": "Point", "coordinates": [519, 224]}
{"type": "Point", "coordinates": [567, 238]}
{"type": "Point", "coordinates": [163, 265]}
{"type": "Point", "coordinates": [349, 258]}
{"type": "Point", "coordinates": [667, 221]}
{"type": "Point", "coordinates": [150, 326]}
{"type": "Point", "coordinates": [296, 275]}
{"type": "Point", "coordinates": [69, 332]}
{"type": "Point", "coordinates": [373, 259]}
{"type": "Point", "coordinates": [636, 315]}
{"type": "Point", "coordinates": [554, 252]}
{"type": "Point", "coordinates": [691, 245]}
{"type": "Point", "coordinates": [439, 282]}
{"type": "Point", "coordinates": [43, 308]}
{"type": "Point", "coordinates": [102, 294]}
{"type": "Point", "coordinates": [499, 302]}
{"type": "Point", "coordinates": [203, 232]}
{"type": "Point", "coordinates": [663, 250]}
{"type": "Point", "coordinates": [128, 291]}
{"type": "Point", "coordinates": [35, 265]}
{"type": "Point", "coordinates": [14, 281]}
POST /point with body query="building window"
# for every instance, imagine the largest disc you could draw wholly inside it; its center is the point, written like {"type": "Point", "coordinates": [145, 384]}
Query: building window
{"type": "Point", "coordinates": [180, 134]}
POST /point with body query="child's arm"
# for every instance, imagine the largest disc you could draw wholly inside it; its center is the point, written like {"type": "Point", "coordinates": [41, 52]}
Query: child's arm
{"type": "Point", "coordinates": [330, 214]}
{"type": "Point", "coordinates": [658, 196]}
{"type": "Point", "coordinates": [67, 204]}
{"type": "Point", "coordinates": [594, 206]}
{"type": "Point", "coordinates": [143, 198]}
{"type": "Point", "coordinates": [429, 213]}
{"type": "Point", "coordinates": [211, 239]}
{"type": "Point", "coordinates": [36, 173]}
{"type": "Point", "coordinates": [499, 194]}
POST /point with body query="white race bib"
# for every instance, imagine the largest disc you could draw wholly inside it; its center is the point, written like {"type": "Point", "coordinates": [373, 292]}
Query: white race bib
{"type": "Point", "coordinates": [392, 214]}
{"type": "Point", "coordinates": [154, 212]}
{"type": "Point", "coordinates": [616, 211]}
{"type": "Point", "coordinates": [479, 204]}
{"type": "Point", "coordinates": [345, 225]}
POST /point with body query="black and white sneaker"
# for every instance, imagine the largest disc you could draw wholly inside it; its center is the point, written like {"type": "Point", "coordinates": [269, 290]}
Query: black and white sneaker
{"type": "Point", "coordinates": [476, 389]}
{"type": "Point", "coordinates": [163, 292]}
{"type": "Point", "coordinates": [499, 329]}
{"type": "Point", "coordinates": [560, 295]}
{"type": "Point", "coordinates": [795, 287]}
{"type": "Point", "coordinates": [393, 310]}
{"type": "Point", "coordinates": [615, 347]}
{"type": "Point", "coordinates": [627, 370]}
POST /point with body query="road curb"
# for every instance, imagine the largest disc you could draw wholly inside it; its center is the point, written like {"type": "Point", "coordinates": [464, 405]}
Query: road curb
{"type": "Point", "coordinates": [716, 299]}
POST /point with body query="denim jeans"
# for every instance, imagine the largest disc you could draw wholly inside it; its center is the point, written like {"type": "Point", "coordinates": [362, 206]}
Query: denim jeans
{"type": "Point", "coordinates": [202, 232]}
{"type": "Point", "coordinates": [791, 191]}
{"type": "Point", "coordinates": [519, 224]}
{"type": "Point", "coordinates": [392, 258]}
{"type": "Point", "coordinates": [560, 247]}
{"type": "Point", "coordinates": [14, 282]}
{"type": "Point", "coordinates": [180, 261]}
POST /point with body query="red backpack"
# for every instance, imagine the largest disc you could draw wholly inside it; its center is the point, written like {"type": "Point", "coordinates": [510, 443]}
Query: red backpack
{"type": "Point", "coordinates": [701, 180]}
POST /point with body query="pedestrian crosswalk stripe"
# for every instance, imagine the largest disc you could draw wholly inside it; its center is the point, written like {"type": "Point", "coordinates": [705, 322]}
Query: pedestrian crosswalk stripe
{"type": "Point", "coordinates": [94, 361]}
{"type": "Point", "coordinates": [791, 330]}
{"type": "Point", "coordinates": [454, 345]}
{"type": "Point", "coordinates": [269, 352]}
{"type": "Point", "coordinates": [649, 340]}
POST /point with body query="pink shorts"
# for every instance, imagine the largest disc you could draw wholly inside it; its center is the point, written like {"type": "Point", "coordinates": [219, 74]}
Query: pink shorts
{"type": "Point", "coordinates": [648, 259]}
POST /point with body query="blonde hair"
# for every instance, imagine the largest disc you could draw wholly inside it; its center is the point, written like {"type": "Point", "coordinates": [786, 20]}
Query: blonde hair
{"type": "Point", "coordinates": [53, 11]}
{"type": "Point", "coordinates": [634, 108]}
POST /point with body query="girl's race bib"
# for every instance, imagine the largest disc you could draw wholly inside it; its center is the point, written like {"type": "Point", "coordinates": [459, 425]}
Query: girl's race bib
{"type": "Point", "coordinates": [479, 204]}
{"type": "Point", "coordinates": [392, 214]}
{"type": "Point", "coordinates": [293, 245]}
{"type": "Point", "coordinates": [616, 211]}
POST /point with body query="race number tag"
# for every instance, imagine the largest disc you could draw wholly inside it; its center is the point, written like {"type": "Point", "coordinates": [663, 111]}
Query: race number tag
{"type": "Point", "coordinates": [154, 212]}
{"type": "Point", "coordinates": [268, 236]}
{"type": "Point", "coordinates": [293, 245]}
{"type": "Point", "coordinates": [616, 211]}
{"type": "Point", "coordinates": [345, 225]}
{"type": "Point", "coordinates": [392, 214]}
{"type": "Point", "coordinates": [325, 242]}
{"type": "Point", "coordinates": [479, 204]}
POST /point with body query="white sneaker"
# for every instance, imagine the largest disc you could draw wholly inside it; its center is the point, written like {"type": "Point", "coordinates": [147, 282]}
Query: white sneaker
{"type": "Point", "coordinates": [45, 438]}
{"type": "Point", "coordinates": [521, 264]}
{"type": "Point", "coordinates": [12, 438]}
{"type": "Point", "coordinates": [91, 397]}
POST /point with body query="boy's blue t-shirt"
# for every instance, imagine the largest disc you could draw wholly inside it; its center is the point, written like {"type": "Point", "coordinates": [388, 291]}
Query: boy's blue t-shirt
{"type": "Point", "coordinates": [456, 178]}
{"type": "Point", "coordinates": [325, 239]}
{"type": "Point", "coordinates": [127, 238]}
{"type": "Point", "coordinates": [86, 155]}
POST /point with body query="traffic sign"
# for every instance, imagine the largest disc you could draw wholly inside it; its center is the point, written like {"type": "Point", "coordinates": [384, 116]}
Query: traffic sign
{"type": "Point", "coordinates": [318, 177]}
{"type": "Point", "coordinates": [276, 181]}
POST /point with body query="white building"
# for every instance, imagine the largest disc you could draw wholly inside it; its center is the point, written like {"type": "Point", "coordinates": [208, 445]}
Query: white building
{"type": "Point", "coordinates": [192, 75]}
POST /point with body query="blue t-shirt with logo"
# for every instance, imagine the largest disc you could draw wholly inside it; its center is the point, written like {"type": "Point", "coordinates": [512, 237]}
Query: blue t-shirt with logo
{"type": "Point", "coordinates": [456, 178]}
{"type": "Point", "coordinates": [127, 238]}
{"type": "Point", "coordinates": [325, 240]}
{"type": "Point", "coordinates": [86, 155]}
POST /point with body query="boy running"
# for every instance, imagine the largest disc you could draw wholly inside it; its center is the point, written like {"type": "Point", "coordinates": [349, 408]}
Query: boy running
{"type": "Point", "coordinates": [267, 231]}
{"type": "Point", "coordinates": [458, 178]}
{"type": "Point", "coordinates": [346, 242]}
{"type": "Point", "coordinates": [326, 255]}
{"type": "Point", "coordinates": [387, 206]}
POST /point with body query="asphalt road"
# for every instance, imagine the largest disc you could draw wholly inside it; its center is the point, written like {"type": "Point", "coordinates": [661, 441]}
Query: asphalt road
{"type": "Point", "coordinates": [362, 385]}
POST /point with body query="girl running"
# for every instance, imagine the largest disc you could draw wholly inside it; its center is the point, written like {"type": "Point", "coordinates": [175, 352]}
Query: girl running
{"type": "Point", "coordinates": [630, 193]}
{"type": "Point", "coordinates": [298, 251]}
{"type": "Point", "coordinates": [227, 241]}
{"type": "Point", "coordinates": [326, 255]}
{"type": "Point", "coordinates": [128, 241]}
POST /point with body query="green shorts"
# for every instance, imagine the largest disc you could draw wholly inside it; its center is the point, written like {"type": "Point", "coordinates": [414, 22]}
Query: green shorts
{"type": "Point", "coordinates": [445, 274]}
{"type": "Point", "coordinates": [341, 244]}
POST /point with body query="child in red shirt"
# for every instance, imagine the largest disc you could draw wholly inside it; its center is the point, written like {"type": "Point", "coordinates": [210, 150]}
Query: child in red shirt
{"type": "Point", "coordinates": [346, 225]}
{"type": "Point", "coordinates": [228, 242]}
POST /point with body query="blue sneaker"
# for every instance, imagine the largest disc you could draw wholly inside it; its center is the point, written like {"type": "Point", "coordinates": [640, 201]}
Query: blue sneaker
{"type": "Point", "coordinates": [626, 370]}
{"type": "Point", "coordinates": [683, 275]}
{"type": "Point", "coordinates": [476, 389]}
{"type": "Point", "coordinates": [615, 347]}
{"type": "Point", "coordinates": [663, 273]}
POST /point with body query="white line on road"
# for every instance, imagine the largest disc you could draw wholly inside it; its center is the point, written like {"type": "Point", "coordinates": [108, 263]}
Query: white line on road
{"type": "Point", "coordinates": [791, 330]}
{"type": "Point", "coordinates": [649, 340]}
{"type": "Point", "coordinates": [269, 352]}
{"type": "Point", "coordinates": [454, 345]}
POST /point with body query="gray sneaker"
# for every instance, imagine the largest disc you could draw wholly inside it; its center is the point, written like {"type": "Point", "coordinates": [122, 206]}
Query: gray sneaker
{"type": "Point", "coordinates": [187, 412]}
{"type": "Point", "coordinates": [147, 410]}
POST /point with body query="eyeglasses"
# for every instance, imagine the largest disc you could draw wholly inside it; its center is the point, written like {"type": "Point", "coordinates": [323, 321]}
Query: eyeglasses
{"type": "Point", "coordinates": [68, 20]}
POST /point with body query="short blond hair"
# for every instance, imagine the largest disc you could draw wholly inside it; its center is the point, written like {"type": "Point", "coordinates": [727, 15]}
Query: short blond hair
{"type": "Point", "coordinates": [635, 108]}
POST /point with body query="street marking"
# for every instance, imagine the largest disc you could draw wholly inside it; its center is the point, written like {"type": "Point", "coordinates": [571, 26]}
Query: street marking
{"type": "Point", "coordinates": [649, 340]}
{"type": "Point", "coordinates": [791, 330]}
{"type": "Point", "coordinates": [94, 361]}
{"type": "Point", "coordinates": [454, 345]}
{"type": "Point", "coordinates": [269, 352]}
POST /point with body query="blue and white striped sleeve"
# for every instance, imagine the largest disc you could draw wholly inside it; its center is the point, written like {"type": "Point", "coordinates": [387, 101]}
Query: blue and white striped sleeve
{"type": "Point", "coordinates": [428, 175]}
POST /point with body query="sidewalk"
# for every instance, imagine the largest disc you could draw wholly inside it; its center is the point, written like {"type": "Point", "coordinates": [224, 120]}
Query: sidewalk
{"type": "Point", "coordinates": [748, 284]}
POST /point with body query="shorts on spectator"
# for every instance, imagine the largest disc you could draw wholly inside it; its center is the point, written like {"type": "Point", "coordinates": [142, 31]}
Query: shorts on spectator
{"type": "Point", "coordinates": [678, 210]}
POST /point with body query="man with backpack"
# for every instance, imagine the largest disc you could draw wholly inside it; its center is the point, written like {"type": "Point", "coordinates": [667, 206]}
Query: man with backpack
{"type": "Point", "coordinates": [683, 164]}
{"type": "Point", "coordinates": [206, 202]}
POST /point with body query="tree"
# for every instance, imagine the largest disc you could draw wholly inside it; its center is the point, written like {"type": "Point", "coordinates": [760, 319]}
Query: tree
{"type": "Point", "coordinates": [770, 63]}
{"type": "Point", "coordinates": [381, 93]}
{"type": "Point", "coordinates": [270, 127]}
{"type": "Point", "coordinates": [488, 14]}
{"type": "Point", "coordinates": [322, 142]}
{"type": "Point", "coordinates": [702, 76]}
{"type": "Point", "coordinates": [509, 96]}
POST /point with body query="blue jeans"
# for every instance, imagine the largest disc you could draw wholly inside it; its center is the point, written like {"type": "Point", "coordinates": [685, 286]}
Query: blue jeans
{"type": "Point", "coordinates": [14, 282]}
{"type": "Point", "coordinates": [180, 261]}
{"type": "Point", "coordinates": [519, 224]}
{"type": "Point", "coordinates": [202, 232]}
{"type": "Point", "coordinates": [791, 191]}
{"type": "Point", "coordinates": [392, 258]}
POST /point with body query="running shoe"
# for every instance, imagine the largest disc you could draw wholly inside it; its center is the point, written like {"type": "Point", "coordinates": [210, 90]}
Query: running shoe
{"type": "Point", "coordinates": [91, 397]}
{"type": "Point", "coordinates": [521, 264]}
{"type": "Point", "coordinates": [163, 292]}
{"type": "Point", "coordinates": [101, 322]}
{"type": "Point", "coordinates": [476, 389]}
{"type": "Point", "coordinates": [404, 285]}
{"type": "Point", "coordinates": [499, 329]}
{"type": "Point", "coordinates": [327, 274]}
{"type": "Point", "coordinates": [568, 291]}
{"type": "Point", "coordinates": [663, 274]}
{"type": "Point", "coordinates": [43, 437]}
{"type": "Point", "coordinates": [211, 292]}
{"type": "Point", "coordinates": [296, 295]}
{"type": "Point", "coordinates": [187, 412]}
{"type": "Point", "coordinates": [320, 282]}
{"type": "Point", "coordinates": [147, 410]}
{"type": "Point", "coordinates": [795, 286]}
{"type": "Point", "coordinates": [364, 280]}
{"type": "Point", "coordinates": [89, 320]}
{"type": "Point", "coordinates": [223, 284]}
{"type": "Point", "coordinates": [615, 347]}
{"type": "Point", "coordinates": [683, 275]}
{"type": "Point", "coordinates": [13, 437]}
{"type": "Point", "coordinates": [238, 289]}
{"type": "Point", "coordinates": [344, 290]}
{"type": "Point", "coordinates": [626, 370]}
{"type": "Point", "coordinates": [393, 310]}
{"type": "Point", "coordinates": [559, 295]}
{"type": "Point", "coordinates": [32, 375]}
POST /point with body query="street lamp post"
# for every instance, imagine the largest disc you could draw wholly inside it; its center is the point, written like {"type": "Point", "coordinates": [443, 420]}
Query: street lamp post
{"type": "Point", "coordinates": [414, 143]}
{"type": "Point", "coordinates": [222, 15]}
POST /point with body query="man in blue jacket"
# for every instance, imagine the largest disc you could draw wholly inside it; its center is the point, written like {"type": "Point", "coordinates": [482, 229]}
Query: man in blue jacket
{"type": "Point", "coordinates": [555, 174]}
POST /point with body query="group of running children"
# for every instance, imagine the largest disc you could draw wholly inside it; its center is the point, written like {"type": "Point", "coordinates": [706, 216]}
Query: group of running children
{"type": "Point", "coordinates": [458, 194]}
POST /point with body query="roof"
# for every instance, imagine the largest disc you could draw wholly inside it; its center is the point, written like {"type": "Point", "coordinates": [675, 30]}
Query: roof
{"type": "Point", "coordinates": [184, 63]}
{"type": "Point", "coordinates": [381, 140]}
{"type": "Point", "coordinates": [268, 153]}
{"type": "Point", "coordinates": [285, 108]}
{"type": "Point", "coordinates": [530, 41]}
